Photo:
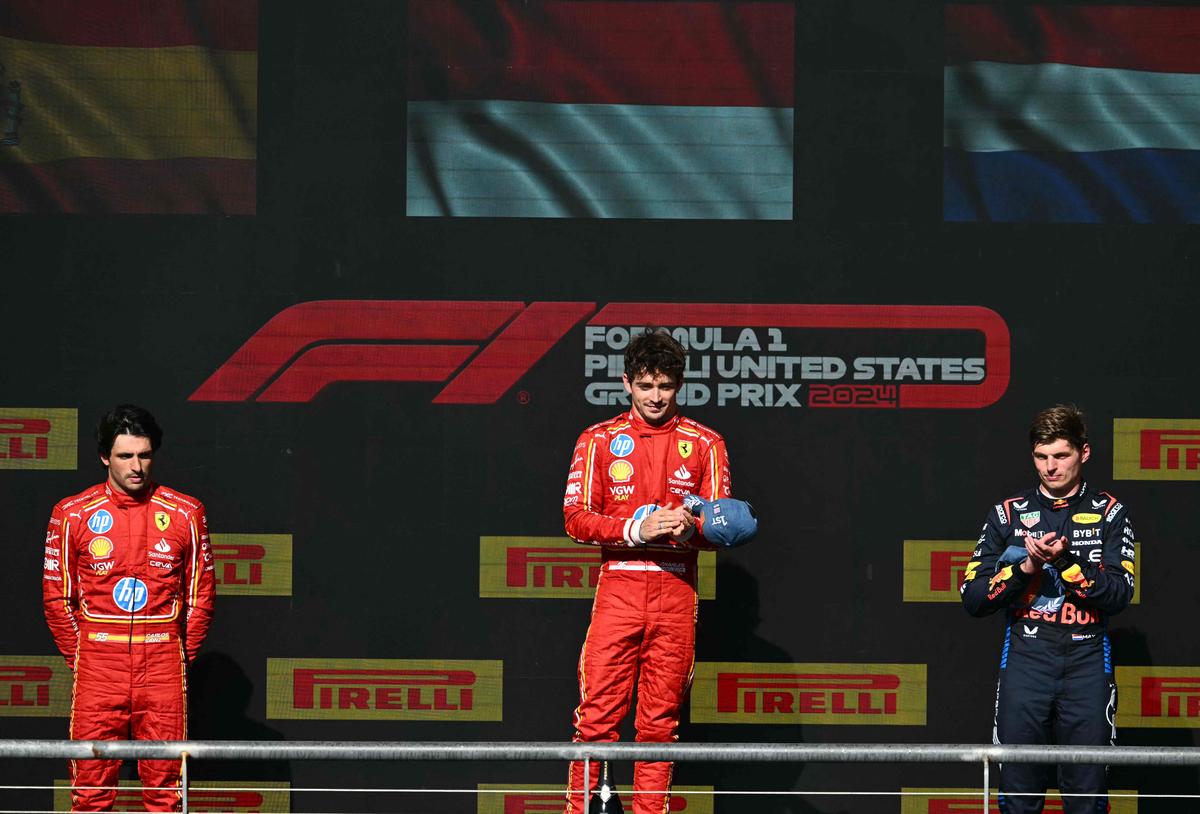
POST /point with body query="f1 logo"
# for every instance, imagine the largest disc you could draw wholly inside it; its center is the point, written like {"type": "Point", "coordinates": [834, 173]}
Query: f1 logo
{"type": "Point", "coordinates": [313, 344]}
{"type": "Point", "coordinates": [431, 341]}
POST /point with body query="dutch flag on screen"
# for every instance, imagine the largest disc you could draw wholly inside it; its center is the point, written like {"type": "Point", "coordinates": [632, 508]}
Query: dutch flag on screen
{"type": "Point", "coordinates": [600, 108]}
{"type": "Point", "coordinates": [1083, 114]}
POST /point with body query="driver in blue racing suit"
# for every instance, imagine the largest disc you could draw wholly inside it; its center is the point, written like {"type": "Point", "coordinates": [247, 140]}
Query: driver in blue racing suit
{"type": "Point", "coordinates": [1058, 559]}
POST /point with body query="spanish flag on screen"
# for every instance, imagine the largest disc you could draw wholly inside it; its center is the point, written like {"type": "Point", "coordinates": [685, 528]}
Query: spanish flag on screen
{"type": "Point", "coordinates": [600, 108]}
{"type": "Point", "coordinates": [128, 106]}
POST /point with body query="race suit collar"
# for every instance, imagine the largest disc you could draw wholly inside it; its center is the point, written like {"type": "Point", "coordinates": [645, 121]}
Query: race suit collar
{"type": "Point", "coordinates": [124, 501]}
{"type": "Point", "coordinates": [640, 426]}
{"type": "Point", "coordinates": [1055, 503]}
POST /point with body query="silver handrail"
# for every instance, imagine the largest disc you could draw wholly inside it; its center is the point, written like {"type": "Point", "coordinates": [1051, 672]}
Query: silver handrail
{"type": "Point", "coordinates": [529, 750]}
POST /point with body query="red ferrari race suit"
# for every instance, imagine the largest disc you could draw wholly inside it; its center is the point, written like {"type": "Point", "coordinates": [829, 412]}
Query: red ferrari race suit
{"type": "Point", "coordinates": [128, 591]}
{"type": "Point", "coordinates": [643, 625]}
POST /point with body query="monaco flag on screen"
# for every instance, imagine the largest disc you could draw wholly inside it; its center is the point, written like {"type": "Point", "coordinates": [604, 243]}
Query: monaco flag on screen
{"type": "Point", "coordinates": [600, 108]}
{"type": "Point", "coordinates": [1078, 113]}
{"type": "Point", "coordinates": [128, 106]}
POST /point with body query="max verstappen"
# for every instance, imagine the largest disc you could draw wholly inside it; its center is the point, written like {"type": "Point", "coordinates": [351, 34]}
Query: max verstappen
{"type": "Point", "coordinates": [650, 487]}
{"type": "Point", "coordinates": [128, 591]}
{"type": "Point", "coordinates": [1059, 559]}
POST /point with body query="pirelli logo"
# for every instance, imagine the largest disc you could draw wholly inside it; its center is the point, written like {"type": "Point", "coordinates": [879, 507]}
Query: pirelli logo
{"type": "Point", "coordinates": [385, 689]}
{"type": "Point", "coordinates": [39, 438]}
{"type": "Point", "coordinates": [253, 564]}
{"type": "Point", "coordinates": [556, 568]}
{"type": "Point", "coordinates": [749, 693]}
{"type": "Point", "coordinates": [933, 569]}
{"type": "Point", "coordinates": [233, 796]}
{"type": "Point", "coordinates": [1156, 449]}
{"type": "Point", "coordinates": [969, 801]}
{"type": "Point", "coordinates": [34, 687]}
{"type": "Point", "coordinates": [539, 798]}
{"type": "Point", "coordinates": [1159, 697]}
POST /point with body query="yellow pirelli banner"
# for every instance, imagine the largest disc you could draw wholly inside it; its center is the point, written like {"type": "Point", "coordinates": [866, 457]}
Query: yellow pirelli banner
{"type": "Point", "coordinates": [39, 438]}
{"type": "Point", "coordinates": [253, 564]}
{"type": "Point", "coordinates": [540, 798]}
{"type": "Point", "coordinates": [35, 687]}
{"type": "Point", "coordinates": [385, 689]}
{"type": "Point", "coordinates": [970, 801]}
{"type": "Point", "coordinates": [556, 568]}
{"type": "Point", "coordinates": [781, 693]}
{"type": "Point", "coordinates": [231, 796]}
{"type": "Point", "coordinates": [1156, 449]}
{"type": "Point", "coordinates": [1159, 697]}
{"type": "Point", "coordinates": [933, 569]}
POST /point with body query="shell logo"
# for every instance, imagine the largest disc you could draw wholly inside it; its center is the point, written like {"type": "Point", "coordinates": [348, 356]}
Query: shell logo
{"type": "Point", "coordinates": [620, 471]}
{"type": "Point", "coordinates": [100, 547]}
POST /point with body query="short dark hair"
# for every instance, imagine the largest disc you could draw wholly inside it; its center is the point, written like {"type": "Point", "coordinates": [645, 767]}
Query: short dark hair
{"type": "Point", "coordinates": [126, 419]}
{"type": "Point", "coordinates": [655, 351]}
{"type": "Point", "coordinates": [1063, 421]}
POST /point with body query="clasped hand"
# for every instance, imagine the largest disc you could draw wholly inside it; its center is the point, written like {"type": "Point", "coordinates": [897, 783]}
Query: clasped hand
{"type": "Point", "coordinates": [667, 521]}
{"type": "Point", "coordinates": [1047, 548]}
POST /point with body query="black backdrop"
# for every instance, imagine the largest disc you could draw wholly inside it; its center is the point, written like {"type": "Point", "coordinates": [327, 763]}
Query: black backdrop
{"type": "Point", "coordinates": [386, 494]}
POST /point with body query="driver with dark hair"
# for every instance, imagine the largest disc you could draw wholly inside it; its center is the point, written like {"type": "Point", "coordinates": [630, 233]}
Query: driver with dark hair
{"type": "Point", "coordinates": [128, 589]}
{"type": "Point", "coordinates": [625, 492]}
{"type": "Point", "coordinates": [1058, 559]}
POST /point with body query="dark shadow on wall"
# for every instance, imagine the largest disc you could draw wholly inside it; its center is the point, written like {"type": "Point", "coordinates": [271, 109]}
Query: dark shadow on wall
{"type": "Point", "coordinates": [219, 693]}
{"type": "Point", "coordinates": [727, 633]}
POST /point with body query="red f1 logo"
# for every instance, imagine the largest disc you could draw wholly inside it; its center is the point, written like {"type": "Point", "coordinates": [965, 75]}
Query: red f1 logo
{"type": "Point", "coordinates": [310, 345]}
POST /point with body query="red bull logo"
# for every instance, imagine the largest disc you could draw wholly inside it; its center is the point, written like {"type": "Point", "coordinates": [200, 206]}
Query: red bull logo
{"type": "Point", "coordinates": [732, 692]}
{"type": "Point", "coordinates": [385, 689]}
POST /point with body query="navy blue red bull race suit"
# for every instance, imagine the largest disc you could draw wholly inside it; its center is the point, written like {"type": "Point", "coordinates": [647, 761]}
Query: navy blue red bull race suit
{"type": "Point", "coordinates": [1056, 675]}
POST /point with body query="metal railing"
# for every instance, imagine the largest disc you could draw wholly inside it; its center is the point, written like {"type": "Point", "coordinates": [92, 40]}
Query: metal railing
{"type": "Point", "coordinates": [186, 751]}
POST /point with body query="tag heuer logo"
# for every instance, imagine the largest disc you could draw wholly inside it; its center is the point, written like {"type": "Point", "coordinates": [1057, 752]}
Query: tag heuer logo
{"type": "Point", "coordinates": [1030, 519]}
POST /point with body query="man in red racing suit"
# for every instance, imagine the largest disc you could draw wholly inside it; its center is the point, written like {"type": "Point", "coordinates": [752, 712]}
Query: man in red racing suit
{"type": "Point", "coordinates": [128, 590]}
{"type": "Point", "coordinates": [627, 478]}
